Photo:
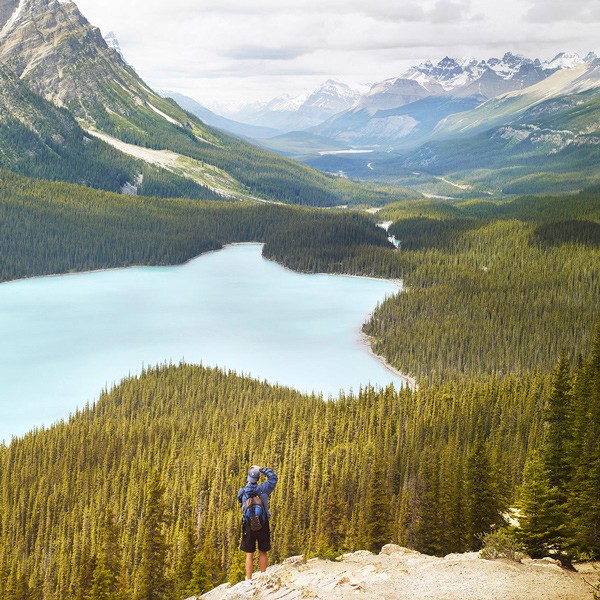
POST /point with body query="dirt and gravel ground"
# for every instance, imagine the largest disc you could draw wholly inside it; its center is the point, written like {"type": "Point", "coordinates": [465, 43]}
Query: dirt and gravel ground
{"type": "Point", "coordinates": [401, 574]}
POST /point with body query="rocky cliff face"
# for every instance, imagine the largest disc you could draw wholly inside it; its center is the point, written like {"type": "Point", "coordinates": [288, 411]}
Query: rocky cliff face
{"type": "Point", "coordinates": [401, 574]}
{"type": "Point", "coordinates": [7, 8]}
{"type": "Point", "coordinates": [54, 49]}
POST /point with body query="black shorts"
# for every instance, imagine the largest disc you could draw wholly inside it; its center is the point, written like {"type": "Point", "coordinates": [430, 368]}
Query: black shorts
{"type": "Point", "coordinates": [249, 538]}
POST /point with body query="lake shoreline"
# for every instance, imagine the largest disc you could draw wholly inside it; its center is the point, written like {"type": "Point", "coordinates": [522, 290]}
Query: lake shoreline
{"type": "Point", "coordinates": [189, 260]}
{"type": "Point", "coordinates": [395, 283]}
{"type": "Point", "coordinates": [411, 382]}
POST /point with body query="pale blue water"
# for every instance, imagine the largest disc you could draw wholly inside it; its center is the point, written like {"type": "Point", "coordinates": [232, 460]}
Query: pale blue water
{"type": "Point", "coordinates": [63, 339]}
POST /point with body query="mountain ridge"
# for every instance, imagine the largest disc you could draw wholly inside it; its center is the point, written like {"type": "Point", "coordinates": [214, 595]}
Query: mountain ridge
{"type": "Point", "coordinates": [292, 113]}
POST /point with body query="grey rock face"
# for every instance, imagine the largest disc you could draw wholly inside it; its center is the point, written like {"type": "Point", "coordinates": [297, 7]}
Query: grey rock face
{"type": "Point", "coordinates": [7, 7]}
{"type": "Point", "coordinates": [55, 50]}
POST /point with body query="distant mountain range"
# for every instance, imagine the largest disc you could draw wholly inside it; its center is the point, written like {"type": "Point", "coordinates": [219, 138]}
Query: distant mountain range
{"type": "Point", "coordinates": [293, 113]}
{"type": "Point", "coordinates": [209, 117]}
{"type": "Point", "coordinates": [339, 112]}
{"type": "Point", "coordinates": [72, 109]}
{"type": "Point", "coordinates": [521, 125]}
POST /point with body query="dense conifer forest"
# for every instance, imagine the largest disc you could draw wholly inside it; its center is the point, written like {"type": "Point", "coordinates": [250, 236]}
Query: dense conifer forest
{"type": "Point", "coordinates": [492, 288]}
{"type": "Point", "coordinates": [55, 228]}
{"type": "Point", "coordinates": [141, 487]}
{"type": "Point", "coordinates": [496, 321]}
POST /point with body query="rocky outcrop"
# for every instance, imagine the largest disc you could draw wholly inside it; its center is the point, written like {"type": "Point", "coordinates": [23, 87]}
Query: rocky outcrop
{"type": "Point", "coordinates": [54, 49]}
{"type": "Point", "coordinates": [400, 574]}
{"type": "Point", "coordinates": [7, 8]}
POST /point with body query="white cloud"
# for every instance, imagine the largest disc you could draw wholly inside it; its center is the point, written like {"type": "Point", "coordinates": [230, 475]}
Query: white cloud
{"type": "Point", "coordinates": [220, 50]}
{"type": "Point", "coordinates": [556, 11]}
{"type": "Point", "coordinates": [446, 11]}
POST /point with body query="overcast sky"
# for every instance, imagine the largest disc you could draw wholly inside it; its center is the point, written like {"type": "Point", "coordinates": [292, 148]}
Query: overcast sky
{"type": "Point", "coordinates": [227, 51]}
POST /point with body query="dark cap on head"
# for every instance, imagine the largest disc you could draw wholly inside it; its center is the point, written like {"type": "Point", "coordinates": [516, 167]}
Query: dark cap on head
{"type": "Point", "coordinates": [253, 475]}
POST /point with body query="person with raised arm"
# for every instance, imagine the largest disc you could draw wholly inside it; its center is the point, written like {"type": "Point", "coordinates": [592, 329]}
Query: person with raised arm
{"type": "Point", "coordinates": [254, 500]}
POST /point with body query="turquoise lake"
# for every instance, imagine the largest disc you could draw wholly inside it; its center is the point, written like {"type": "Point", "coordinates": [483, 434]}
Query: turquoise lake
{"type": "Point", "coordinates": [65, 338]}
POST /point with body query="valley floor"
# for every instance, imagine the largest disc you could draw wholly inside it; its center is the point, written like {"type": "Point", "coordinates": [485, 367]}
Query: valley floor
{"type": "Point", "coordinates": [401, 574]}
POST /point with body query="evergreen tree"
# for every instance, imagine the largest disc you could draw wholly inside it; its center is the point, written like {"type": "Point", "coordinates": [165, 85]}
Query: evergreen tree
{"type": "Point", "coordinates": [18, 588]}
{"type": "Point", "coordinates": [542, 519]}
{"type": "Point", "coordinates": [103, 582]}
{"type": "Point", "coordinates": [86, 574]}
{"type": "Point", "coordinates": [206, 569]}
{"type": "Point", "coordinates": [153, 583]}
{"type": "Point", "coordinates": [237, 571]}
{"type": "Point", "coordinates": [212, 564]}
{"type": "Point", "coordinates": [425, 504]}
{"type": "Point", "coordinates": [187, 554]}
{"type": "Point", "coordinates": [109, 558]}
{"type": "Point", "coordinates": [557, 415]}
{"type": "Point", "coordinates": [482, 503]}
{"type": "Point", "coordinates": [331, 534]}
{"type": "Point", "coordinates": [377, 507]}
{"type": "Point", "coordinates": [200, 580]}
{"type": "Point", "coordinates": [584, 489]}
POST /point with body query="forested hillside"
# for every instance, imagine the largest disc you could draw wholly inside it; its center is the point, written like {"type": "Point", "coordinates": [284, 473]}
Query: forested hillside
{"type": "Point", "coordinates": [491, 288]}
{"type": "Point", "coordinates": [161, 457]}
{"type": "Point", "coordinates": [55, 228]}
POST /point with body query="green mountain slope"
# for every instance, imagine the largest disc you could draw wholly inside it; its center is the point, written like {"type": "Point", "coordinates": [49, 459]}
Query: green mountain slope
{"type": "Point", "coordinates": [41, 140]}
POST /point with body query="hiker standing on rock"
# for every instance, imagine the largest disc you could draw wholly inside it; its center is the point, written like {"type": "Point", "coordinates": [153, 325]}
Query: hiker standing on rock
{"type": "Point", "coordinates": [254, 500]}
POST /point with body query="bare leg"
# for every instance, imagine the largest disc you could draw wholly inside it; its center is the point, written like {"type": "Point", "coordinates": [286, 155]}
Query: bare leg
{"type": "Point", "coordinates": [263, 560]}
{"type": "Point", "coordinates": [249, 564]}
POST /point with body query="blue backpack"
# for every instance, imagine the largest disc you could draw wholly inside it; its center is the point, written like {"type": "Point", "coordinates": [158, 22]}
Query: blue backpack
{"type": "Point", "coordinates": [254, 511]}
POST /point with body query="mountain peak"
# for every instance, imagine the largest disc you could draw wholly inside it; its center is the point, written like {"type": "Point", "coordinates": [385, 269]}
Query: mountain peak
{"type": "Point", "coordinates": [333, 96]}
{"type": "Point", "coordinates": [44, 41]}
{"type": "Point", "coordinates": [564, 60]}
{"type": "Point", "coordinates": [448, 72]}
{"type": "Point", "coordinates": [111, 40]}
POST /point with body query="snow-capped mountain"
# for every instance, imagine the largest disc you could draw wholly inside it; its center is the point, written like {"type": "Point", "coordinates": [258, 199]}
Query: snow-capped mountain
{"type": "Point", "coordinates": [112, 42]}
{"type": "Point", "coordinates": [566, 60]}
{"type": "Point", "coordinates": [288, 113]}
{"type": "Point", "coordinates": [462, 77]}
{"type": "Point", "coordinates": [332, 97]}
{"type": "Point", "coordinates": [571, 81]}
{"type": "Point", "coordinates": [448, 72]}
{"type": "Point", "coordinates": [286, 103]}
{"type": "Point", "coordinates": [337, 111]}
{"type": "Point", "coordinates": [408, 108]}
